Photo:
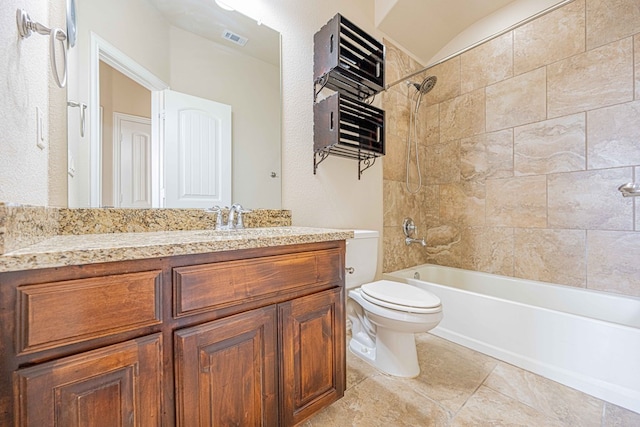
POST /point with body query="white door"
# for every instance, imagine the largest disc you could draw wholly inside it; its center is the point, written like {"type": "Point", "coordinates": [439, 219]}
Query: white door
{"type": "Point", "coordinates": [197, 152]}
{"type": "Point", "coordinates": [132, 161]}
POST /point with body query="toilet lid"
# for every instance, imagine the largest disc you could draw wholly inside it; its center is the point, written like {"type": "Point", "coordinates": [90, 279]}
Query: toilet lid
{"type": "Point", "coordinates": [399, 296]}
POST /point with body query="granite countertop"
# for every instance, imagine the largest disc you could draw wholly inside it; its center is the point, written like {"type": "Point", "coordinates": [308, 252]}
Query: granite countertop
{"type": "Point", "coordinates": [65, 250]}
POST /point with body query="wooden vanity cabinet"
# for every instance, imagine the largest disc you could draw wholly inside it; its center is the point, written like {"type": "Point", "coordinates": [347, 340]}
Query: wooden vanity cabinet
{"type": "Point", "coordinates": [82, 345]}
{"type": "Point", "coordinates": [252, 337]}
{"type": "Point", "coordinates": [274, 365]}
{"type": "Point", "coordinates": [227, 371]}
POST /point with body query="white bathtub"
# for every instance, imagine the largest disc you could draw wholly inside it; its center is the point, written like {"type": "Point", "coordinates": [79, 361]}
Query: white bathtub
{"type": "Point", "coordinates": [587, 340]}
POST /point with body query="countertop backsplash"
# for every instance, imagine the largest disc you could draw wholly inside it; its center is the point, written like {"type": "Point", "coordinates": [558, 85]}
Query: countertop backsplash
{"type": "Point", "coordinates": [22, 226]}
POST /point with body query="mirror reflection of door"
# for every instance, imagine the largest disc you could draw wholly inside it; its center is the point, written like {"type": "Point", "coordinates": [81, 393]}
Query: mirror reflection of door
{"type": "Point", "coordinates": [132, 161]}
{"type": "Point", "coordinates": [120, 95]}
{"type": "Point", "coordinates": [197, 151]}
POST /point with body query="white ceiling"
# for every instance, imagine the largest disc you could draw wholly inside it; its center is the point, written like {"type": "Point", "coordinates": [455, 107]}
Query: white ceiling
{"type": "Point", "coordinates": [208, 20]}
{"type": "Point", "coordinates": [421, 27]}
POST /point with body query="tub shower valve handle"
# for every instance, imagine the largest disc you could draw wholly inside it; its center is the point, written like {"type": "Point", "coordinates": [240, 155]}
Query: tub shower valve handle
{"type": "Point", "coordinates": [410, 229]}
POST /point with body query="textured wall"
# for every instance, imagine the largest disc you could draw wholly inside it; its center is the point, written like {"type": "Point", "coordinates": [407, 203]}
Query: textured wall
{"type": "Point", "coordinates": [334, 197]}
{"type": "Point", "coordinates": [24, 86]}
{"type": "Point", "coordinates": [523, 143]}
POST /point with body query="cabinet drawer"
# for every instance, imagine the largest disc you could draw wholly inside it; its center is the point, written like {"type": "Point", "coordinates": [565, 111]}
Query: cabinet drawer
{"type": "Point", "coordinates": [209, 286]}
{"type": "Point", "coordinates": [54, 314]}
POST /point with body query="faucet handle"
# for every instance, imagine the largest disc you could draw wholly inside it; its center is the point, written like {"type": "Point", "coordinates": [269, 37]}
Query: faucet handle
{"type": "Point", "coordinates": [240, 222]}
{"type": "Point", "coordinates": [218, 211]}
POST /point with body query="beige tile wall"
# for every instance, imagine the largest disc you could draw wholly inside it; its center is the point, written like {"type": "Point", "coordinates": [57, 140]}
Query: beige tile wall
{"type": "Point", "coordinates": [522, 146]}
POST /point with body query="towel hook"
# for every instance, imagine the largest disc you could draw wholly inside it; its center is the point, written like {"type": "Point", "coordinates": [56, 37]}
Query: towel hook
{"type": "Point", "coordinates": [26, 26]}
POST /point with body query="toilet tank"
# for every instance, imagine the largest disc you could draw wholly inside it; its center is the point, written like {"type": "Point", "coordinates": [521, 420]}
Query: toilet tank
{"type": "Point", "coordinates": [362, 256]}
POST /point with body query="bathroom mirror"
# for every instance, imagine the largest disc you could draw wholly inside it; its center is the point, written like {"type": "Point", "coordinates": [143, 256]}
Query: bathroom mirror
{"type": "Point", "coordinates": [192, 47]}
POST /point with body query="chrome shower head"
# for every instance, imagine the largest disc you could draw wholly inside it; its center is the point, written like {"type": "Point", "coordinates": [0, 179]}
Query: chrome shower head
{"type": "Point", "coordinates": [426, 85]}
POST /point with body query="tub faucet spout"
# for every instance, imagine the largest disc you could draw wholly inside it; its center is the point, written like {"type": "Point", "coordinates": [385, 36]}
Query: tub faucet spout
{"type": "Point", "coordinates": [410, 240]}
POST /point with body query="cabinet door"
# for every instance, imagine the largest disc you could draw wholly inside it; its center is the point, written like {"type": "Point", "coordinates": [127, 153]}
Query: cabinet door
{"type": "Point", "coordinates": [119, 385]}
{"type": "Point", "coordinates": [313, 371]}
{"type": "Point", "coordinates": [226, 371]}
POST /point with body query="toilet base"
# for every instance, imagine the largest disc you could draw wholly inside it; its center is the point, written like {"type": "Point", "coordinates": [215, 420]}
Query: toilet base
{"type": "Point", "coordinates": [393, 352]}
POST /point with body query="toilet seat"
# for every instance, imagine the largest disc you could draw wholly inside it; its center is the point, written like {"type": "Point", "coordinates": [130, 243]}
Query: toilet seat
{"type": "Point", "coordinates": [400, 296]}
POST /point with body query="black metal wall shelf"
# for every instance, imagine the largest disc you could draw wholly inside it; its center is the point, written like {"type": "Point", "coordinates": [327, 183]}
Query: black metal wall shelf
{"type": "Point", "coordinates": [348, 128]}
{"type": "Point", "coordinates": [350, 62]}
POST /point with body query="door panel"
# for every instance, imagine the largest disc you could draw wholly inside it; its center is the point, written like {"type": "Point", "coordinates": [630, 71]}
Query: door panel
{"type": "Point", "coordinates": [313, 364]}
{"type": "Point", "coordinates": [115, 386]}
{"type": "Point", "coordinates": [226, 372]}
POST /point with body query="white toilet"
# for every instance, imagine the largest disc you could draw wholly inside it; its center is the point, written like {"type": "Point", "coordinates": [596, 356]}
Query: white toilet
{"type": "Point", "coordinates": [385, 315]}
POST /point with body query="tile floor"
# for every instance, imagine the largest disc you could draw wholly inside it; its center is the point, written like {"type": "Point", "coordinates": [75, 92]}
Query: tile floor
{"type": "Point", "coordinates": [461, 387]}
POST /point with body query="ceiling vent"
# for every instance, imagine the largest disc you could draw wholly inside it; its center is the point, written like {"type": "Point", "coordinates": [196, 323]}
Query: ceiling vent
{"type": "Point", "coordinates": [235, 38]}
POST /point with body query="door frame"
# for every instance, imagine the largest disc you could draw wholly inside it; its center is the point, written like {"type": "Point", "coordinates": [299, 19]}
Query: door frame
{"type": "Point", "coordinates": [101, 50]}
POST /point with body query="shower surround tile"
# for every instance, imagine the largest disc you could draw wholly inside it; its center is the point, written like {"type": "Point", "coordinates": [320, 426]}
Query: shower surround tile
{"type": "Point", "coordinates": [536, 256]}
{"type": "Point", "coordinates": [563, 29]}
{"type": "Point", "coordinates": [487, 249]}
{"type": "Point", "coordinates": [441, 163]}
{"type": "Point", "coordinates": [463, 116]}
{"type": "Point", "coordinates": [397, 255]}
{"type": "Point", "coordinates": [611, 20]}
{"type": "Point", "coordinates": [428, 124]}
{"type": "Point", "coordinates": [565, 119]}
{"type": "Point", "coordinates": [463, 203]}
{"type": "Point", "coordinates": [443, 245]}
{"type": "Point", "coordinates": [569, 406]}
{"type": "Point", "coordinates": [612, 136]}
{"type": "Point", "coordinates": [556, 145]}
{"type": "Point", "coordinates": [395, 159]}
{"type": "Point", "coordinates": [489, 63]}
{"type": "Point", "coordinates": [399, 204]}
{"type": "Point", "coordinates": [396, 107]}
{"type": "Point", "coordinates": [612, 258]}
{"type": "Point", "coordinates": [397, 65]}
{"type": "Point", "coordinates": [517, 101]}
{"type": "Point", "coordinates": [517, 202]}
{"type": "Point", "coordinates": [489, 155]}
{"type": "Point", "coordinates": [594, 79]}
{"type": "Point", "coordinates": [448, 86]}
{"type": "Point", "coordinates": [590, 200]}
